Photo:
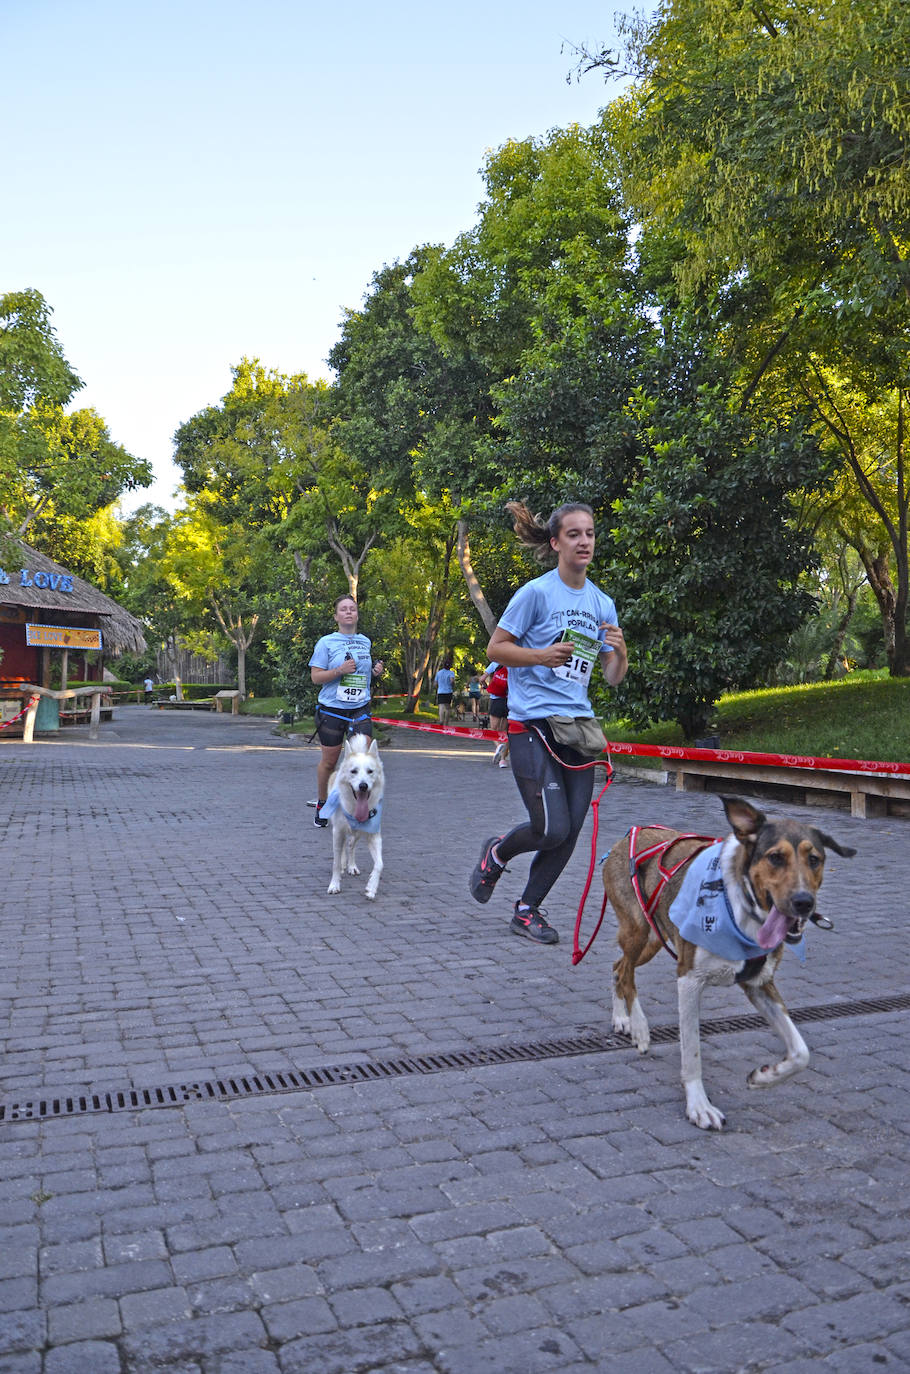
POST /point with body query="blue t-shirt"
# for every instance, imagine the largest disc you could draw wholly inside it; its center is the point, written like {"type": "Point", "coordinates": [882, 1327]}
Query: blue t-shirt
{"type": "Point", "coordinates": [354, 688]}
{"type": "Point", "coordinates": [445, 680]}
{"type": "Point", "coordinates": [540, 613]}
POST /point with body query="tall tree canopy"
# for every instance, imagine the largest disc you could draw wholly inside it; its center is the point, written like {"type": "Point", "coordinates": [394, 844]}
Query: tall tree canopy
{"type": "Point", "coordinates": [58, 468]}
{"type": "Point", "coordinates": [765, 152]}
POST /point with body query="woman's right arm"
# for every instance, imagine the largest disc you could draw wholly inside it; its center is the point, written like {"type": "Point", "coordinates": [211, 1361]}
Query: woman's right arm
{"type": "Point", "coordinates": [320, 676]}
{"type": "Point", "coordinates": [503, 648]}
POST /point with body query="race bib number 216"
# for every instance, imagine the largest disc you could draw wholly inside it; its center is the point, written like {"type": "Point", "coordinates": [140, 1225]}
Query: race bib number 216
{"type": "Point", "coordinates": [585, 652]}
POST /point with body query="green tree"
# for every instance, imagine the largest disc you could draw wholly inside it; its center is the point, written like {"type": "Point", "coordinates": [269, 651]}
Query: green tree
{"type": "Point", "coordinates": [414, 573]}
{"type": "Point", "coordinates": [58, 468]}
{"type": "Point", "coordinates": [704, 556]}
{"type": "Point", "coordinates": [764, 150]}
{"type": "Point", "coordinates": [214, 571]}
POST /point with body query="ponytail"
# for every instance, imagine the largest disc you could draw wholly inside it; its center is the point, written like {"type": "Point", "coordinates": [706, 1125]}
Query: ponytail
{"type": "Point", "coordinates": [533, 533]}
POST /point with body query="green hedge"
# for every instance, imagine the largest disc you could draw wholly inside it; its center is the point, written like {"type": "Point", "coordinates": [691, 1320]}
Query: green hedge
{"type": "Point", "coordinates": [117, 686]}
{"type": "Point", "coordinates": [193, 691]}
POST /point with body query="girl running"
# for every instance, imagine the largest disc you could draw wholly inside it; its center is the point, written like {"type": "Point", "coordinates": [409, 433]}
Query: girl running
{"type": "Point", "coordinates": [552, 632]}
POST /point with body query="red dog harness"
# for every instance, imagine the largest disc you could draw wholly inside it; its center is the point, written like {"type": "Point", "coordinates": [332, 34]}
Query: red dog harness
{"type": "Point", "coordinates": [659, 851]}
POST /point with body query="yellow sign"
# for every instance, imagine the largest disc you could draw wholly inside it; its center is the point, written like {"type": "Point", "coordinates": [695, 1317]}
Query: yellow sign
{"type": "Point", "coordinates": [62, 637]}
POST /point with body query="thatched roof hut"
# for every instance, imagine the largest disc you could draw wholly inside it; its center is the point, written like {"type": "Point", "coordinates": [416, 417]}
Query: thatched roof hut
{"type": "Point", "coordinates": [41, 587]}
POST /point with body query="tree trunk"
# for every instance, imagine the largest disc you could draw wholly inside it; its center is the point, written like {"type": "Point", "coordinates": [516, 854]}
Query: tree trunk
{"type": "Point", "coordinates": [434, 623]}
{"type": "Point", "coordinates": [475, 591]}
{"type": "Point", "coordinates": [349, 562]}
{"type": "Point", "coordinates": [303, 567]}
{"type": "Point", "coordinates": [837, 647]}
{"type": "Point", "coordinates": [892, 604]}
{"type": "Point", "coordinates": [171, 654]}
{"type": "Point", "coordinates": [879, 575]}
{"type": "Point", "coordinates": [240, 638]}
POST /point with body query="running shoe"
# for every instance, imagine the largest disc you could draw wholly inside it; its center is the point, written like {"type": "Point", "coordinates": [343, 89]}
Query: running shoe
{"type": "Point", "coordinates": [532, 924]}
{"type": "Point", "coordinates": [487, 872]}
{"type": "Point", "coordinates": [503, 763]}
{"type": "Point", "coordinates": [318, 819]}
{"type": "Point", "coordinates": [497, 753]}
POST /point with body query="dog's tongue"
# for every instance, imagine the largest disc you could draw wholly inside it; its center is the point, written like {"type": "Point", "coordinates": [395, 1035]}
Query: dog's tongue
{"type": "Point", "coordinates": [773, 930]}
{"type": "Point", "coordinates": [361, 809]}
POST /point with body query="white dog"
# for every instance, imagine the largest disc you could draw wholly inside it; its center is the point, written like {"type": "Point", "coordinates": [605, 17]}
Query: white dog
{"type": "Point", "coordinates": [354, 806]}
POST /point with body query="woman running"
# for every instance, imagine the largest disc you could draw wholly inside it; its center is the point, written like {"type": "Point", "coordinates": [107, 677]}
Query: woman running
{"type": "Point", "coordinates": [342, 668]}
{"type": "Point", "coordinates": [552, 632]}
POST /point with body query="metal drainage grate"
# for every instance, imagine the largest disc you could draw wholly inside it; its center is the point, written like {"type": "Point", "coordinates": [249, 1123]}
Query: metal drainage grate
{"type": "Point", "coordinates": [332, 1075]}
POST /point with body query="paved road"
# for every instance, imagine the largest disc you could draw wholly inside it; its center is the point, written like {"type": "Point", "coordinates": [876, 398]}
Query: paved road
{"type": "Point", "coordinates": [165, 923]}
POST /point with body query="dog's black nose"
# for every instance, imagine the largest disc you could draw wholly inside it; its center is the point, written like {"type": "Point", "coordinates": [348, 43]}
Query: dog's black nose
{"type": "Point", "coordinates": [802, 904]}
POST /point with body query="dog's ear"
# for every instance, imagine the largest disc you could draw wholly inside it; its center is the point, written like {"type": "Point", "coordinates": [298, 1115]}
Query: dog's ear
{"type": "Point", "coordinates": [374, 749]}
{"type": "Point", "coordinates": [843, 849]}
{"type": "Point", "coordinates": [745, 819]}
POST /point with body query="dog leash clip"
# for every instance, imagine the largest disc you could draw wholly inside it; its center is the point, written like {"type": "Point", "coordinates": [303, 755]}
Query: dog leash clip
{"type": "Point", "coordinates": [822, 922]}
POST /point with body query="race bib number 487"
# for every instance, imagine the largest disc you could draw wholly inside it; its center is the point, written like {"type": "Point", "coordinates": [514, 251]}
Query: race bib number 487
{"type": "Point", "coordinates": [585, 652]}
{"type": "Point", "coordinates": [352, 688]}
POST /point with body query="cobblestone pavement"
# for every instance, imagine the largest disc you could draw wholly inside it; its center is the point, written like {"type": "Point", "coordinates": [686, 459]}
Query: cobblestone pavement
{"type": "Point", "coordinates": [165, 922]}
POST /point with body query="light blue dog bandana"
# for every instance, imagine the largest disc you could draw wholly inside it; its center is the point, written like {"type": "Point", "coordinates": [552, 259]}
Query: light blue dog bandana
{"type": "Point", "coordinates": [370, 826]}
{"type": "Point", "coordinates": [702, 913]}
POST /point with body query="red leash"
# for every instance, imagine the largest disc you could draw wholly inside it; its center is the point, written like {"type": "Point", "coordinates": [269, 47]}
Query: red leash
{"type": "Point", "coordinates": [517, 727]}
{"type": "Point", "coordinates": [577, 953]}
{"type": "Point", "coordinates": [648, 905]}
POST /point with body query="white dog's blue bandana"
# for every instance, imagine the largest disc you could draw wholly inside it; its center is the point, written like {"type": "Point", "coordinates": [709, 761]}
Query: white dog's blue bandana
{"type": "Point", "coordinates": [702, 913]}
{"type": "Point", "coordinates": [370, 826]}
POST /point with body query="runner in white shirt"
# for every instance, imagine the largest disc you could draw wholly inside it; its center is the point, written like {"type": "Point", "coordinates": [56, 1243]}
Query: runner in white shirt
{"type": "Point", "coordinates": [552, 633]}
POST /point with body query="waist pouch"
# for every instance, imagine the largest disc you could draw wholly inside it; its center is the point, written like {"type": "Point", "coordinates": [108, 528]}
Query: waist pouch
{"type": "Point", "coordinates": [581, 733]}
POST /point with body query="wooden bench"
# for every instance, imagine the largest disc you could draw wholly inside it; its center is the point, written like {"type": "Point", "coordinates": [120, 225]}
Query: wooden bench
{"type": "Point", "coordinates": [870, 794]}
{"type": "Point", "coordinates": [220, 698]}
{"type": "Point", "coordinates": [200, 704]}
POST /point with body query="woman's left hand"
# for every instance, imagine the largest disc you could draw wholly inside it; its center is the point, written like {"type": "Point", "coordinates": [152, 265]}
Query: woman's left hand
{"type": "Point", "coordinates": [613, 636]}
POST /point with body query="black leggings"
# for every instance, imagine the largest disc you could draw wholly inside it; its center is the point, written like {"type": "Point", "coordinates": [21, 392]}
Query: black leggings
{"type": "Point", "coordinates": [557, 799]}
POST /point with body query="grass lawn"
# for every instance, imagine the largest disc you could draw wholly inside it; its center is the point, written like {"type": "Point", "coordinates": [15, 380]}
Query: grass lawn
{"type": "Point", "coordinates": [863, 716]}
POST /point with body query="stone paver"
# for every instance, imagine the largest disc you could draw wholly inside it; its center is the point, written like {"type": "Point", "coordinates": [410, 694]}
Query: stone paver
{"type": "Point", "coordinates": [165, 922]}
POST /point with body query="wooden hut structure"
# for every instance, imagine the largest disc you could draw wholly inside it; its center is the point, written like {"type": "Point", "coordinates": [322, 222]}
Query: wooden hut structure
{"type": "Point", "coordinates": [48, 613]}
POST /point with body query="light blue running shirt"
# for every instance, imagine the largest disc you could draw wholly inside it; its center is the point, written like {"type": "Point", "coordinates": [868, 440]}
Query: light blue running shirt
{"type": "Point", "coordinates": [541, 612]}
{"type": "Point", "coordinates": [354, 688]}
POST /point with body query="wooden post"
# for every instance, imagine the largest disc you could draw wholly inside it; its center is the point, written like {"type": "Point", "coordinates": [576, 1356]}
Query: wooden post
{"type": "Point", "coordinates": [28, 729]}
{"type": "Point", "coordinates": [95, 721]}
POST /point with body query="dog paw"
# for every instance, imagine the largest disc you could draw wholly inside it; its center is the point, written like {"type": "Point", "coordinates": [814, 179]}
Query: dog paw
{"type": "Point", "coordinates": [634, 1025]}
{"type": "Point", "coordinates": [333, 887]}
{"type": "Point", "coordinates": [353, 870]}
{"type": "Point", "coordinates": [709, 1120]}
{"type": "Point", "coordinates": [701, 1112]}
{"type": "Point", "coordinates": [370, 892]}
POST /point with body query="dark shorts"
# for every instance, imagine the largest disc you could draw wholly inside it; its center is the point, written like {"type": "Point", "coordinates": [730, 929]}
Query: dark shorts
{"type": "Point", "coordinates": [343, 720]}
{"type": "Point", "coordinates": [443, 698]}
{"type": "Point", "coordinates": [499, 708]}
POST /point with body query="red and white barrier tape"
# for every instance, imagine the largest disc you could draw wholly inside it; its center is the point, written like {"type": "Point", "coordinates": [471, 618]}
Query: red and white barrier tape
{"type": "Point", "coordinates": [472, 732]}
{"type": "Point", "coordinates": [670, 752]}
{"type": "Point", "coordinates": [12, 720]}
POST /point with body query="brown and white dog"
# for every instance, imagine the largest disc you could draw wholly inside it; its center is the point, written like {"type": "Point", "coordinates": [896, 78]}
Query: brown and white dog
{"type": "Point", "coordinates": [771, 871]}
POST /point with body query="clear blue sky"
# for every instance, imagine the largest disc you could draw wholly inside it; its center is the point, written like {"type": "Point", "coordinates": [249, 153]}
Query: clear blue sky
{"type": "Point", "coordinates": [189, 181]}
